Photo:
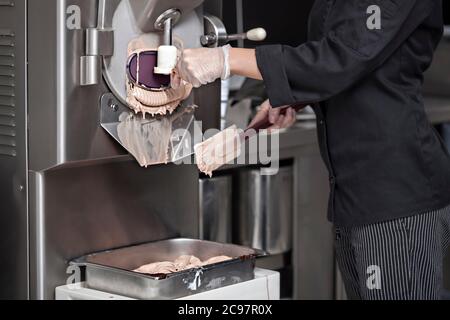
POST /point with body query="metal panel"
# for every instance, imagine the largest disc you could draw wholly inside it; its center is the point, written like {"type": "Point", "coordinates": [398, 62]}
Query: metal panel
{"type": "Point", "coordinates": [216, 209]}
{"type": "Point", "coordinates": [266, 210]}
{"type": "Point", "coordinates": [147, 12]}
{"type": "Point", "coordinates": [86, 194]}
{"type": "Point", "coordinates": [313, 259]}
{"type": "Point", "coordinates": [79, 210]}
{"type": "Point", "coordinates": [13, 204]}
{"type": "Point", "coordinates": [62, 113]}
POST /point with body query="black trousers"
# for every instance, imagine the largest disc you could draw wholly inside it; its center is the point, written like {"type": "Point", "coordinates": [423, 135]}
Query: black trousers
{"type": "Point", "coordinates": [396, 260]}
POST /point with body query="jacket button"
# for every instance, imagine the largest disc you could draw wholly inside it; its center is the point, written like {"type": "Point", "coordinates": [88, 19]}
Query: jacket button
{"type": "Point", "coordinates": [332, 180]}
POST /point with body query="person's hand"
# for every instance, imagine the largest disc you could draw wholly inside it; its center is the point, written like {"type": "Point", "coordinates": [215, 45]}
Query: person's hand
{"type": "Point", "coordinates": [277, 120]}
{"type": "Point", "coordinates": [202, 66]}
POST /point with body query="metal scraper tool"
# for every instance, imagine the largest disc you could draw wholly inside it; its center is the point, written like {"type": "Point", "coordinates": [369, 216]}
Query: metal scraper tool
{"type": "Point", "coordinates": [181, 126]}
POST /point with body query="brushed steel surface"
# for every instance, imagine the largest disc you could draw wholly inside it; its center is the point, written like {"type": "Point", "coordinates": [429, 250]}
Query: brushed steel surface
{"type": "Point", "coordinates": [146, 12]}
{"type": "Point", "coordinates": [216, 204]}
{"type": "Point", "coordinates": [106, 10]}
{"type": "Point", "coordinates": [14, 273]}
{"type": "Point", "coordinates": [84, 209]}
{"type": "Point", "coordinates": [171, 15]}
{"type": "Point", "coordinates": [111, 271]}
{"type": "Point", "coordinates": [266, 210]}
{"type": "Point", "coordinates": [90, 70]}
{"type": "Point", "coordinates": [86, 194]}
{"type": "Point", "coordinates": [99, 42]}
{"type": "Point", "coordinates": [37, 236]}
{"type": "Point", "coordinates": [64, 114]}
{"type": "Point", "coordinates": [215, 31]}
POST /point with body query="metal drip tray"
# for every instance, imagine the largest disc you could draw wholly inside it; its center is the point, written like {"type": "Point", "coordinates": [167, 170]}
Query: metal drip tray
{"type": "Point", "coordinates": [111, 271]}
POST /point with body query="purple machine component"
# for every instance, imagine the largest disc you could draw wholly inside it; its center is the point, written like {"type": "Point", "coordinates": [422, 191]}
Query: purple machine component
{"type": "Point", "coordinates": [147, 78]}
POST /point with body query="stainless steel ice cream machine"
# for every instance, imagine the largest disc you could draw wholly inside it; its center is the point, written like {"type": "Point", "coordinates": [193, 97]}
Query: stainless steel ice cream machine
{"type": "Point", "coordinates": [67, 187]}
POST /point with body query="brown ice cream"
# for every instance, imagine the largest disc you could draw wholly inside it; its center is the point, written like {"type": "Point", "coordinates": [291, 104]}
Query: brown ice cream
{"type": "Point", "coordinates": [180, 264]}
{"type": "Point", "coordinates": [155, 102]}
{"type": "Point", "coordinates": [219, 150]}
{"type": "Point", "coordinates": [158, 268]}
{"type": "Point", "coordinates": [150, 140]}
{"type": "Point", "coordinates": [147, 140]}
{"type": "Point", "coordinates": [215, 260]}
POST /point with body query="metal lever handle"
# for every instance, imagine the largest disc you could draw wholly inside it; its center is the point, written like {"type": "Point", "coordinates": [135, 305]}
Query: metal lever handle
{"type": "Point", "coordinates": [211, 40]}
{"type": "Point", "coordinates": [216, 33]}
{"type": "Point", "coordinates": [258, 34]}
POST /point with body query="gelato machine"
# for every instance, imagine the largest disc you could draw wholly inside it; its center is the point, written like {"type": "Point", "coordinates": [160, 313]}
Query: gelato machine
{"type": "Point", "coordinates": [68, 187]}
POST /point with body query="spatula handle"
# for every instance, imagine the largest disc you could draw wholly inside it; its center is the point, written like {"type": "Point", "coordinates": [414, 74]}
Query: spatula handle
{"type": "Point", "coordinates": [265, 123]}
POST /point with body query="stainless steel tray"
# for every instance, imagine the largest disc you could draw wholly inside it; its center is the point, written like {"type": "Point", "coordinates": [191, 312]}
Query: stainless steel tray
{"type": "Point", "coordinates": [111, 271]}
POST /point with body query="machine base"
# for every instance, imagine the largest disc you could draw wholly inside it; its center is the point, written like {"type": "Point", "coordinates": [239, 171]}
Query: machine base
{"type": "Point", "coordinates": [265, 286]}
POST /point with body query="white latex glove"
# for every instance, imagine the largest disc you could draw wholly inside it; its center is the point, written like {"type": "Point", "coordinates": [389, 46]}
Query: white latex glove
{"type": "Point", "coordinates": [205, 65]}
{"type": "Point", "coordinates": [277, 120]}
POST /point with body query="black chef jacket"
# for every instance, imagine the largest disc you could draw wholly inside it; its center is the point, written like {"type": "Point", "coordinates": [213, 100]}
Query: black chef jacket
{"type": "Point", "coordinates": [385, 159]}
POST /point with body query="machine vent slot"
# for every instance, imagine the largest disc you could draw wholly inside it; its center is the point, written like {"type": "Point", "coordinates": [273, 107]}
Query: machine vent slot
{"type": "Point", "coordinates": [6, 3]}
{"type": "Point", "coordinates": [7, 111]}
{"type": "Point", "coordinates": [7, 90]}
{"type": "Point", "coordinates": [7, 101]}
{"type": "Point", "coordinates": [6, 71]}
{"type": "Point", "coordinates": [6, 81]}
{"type": "Point", "coordinates": [6, 42]}
{"type": "Point", "coordinates": [7, 131]}
{"type": "Point", "coordinates": [7, 122]}
{"type": "Point", "coordinates": [7, 151]}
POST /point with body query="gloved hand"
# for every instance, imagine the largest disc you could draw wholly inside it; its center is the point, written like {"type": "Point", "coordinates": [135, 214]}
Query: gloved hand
{"type": "Point", "coordinates": [278, 121]}
{"type": "Point", "coordinates": [202, 66]}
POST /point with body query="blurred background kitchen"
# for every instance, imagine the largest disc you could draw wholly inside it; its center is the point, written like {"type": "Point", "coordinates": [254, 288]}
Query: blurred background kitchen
{"type": "Point", "coordinates": [307, 264]}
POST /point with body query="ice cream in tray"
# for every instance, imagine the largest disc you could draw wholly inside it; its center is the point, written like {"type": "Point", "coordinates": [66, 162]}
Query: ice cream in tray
{"type": "Point", "coordinates": [168, 269]}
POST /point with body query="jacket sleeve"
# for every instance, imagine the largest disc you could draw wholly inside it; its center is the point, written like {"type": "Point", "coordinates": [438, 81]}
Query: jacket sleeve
{"type": "Point", "coordinates": [352, 49]}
